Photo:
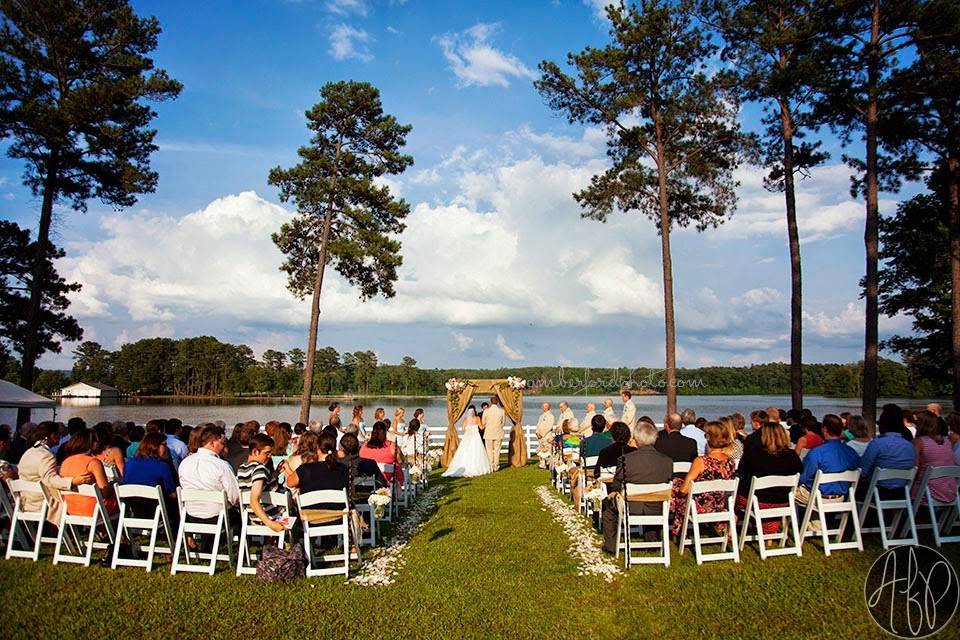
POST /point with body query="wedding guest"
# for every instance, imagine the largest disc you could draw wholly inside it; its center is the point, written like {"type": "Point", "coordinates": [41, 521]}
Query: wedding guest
{"type": "Point", "coordinates": [953, 426]}
{"type": "Point", "coordinates": [715, 464]}
{"type": "Point", "coordinates": [357, 421]}
{"type": "Point", "coordinates": [78, 460]}
{"type": "Point", "coordinates": [74, 425]}
{"type": "Point", "coordinates": [149, 466]}
{"type": "Point", "coordinates": [890, 450]}
{"type": "Point", "coordinates": [599, 440]}
{"type": "Point", "coordinates": [238, 448]}
{"type": "Point", "coordinates": [424, 430]}
{"type": "Point", "coordinates": [207, 471]}
{"type": "Point", "coordinates": [935, 409]}
{"type": "Point", "coordinates": [910, 422]}
{"type": "Point", "coordinates": [645, 465]}
{"type": "Point", "coordinates": [359, 467]}
{"type": "Point", "coordinates": [326, 472]}
{"type": "Point", "coordinates": [298, 430]}
{"type": "Point", "coordinates": [105, 451]}
{"type": "Point", "coordinates": [741, 425]}
{"type": "Point", "coordinates": [585, 428]}
{"type": "Point", "coordinates": [857, 427]}
{"type": "Point", "coordinates": [175, 447]}
{"type": "Point", "coordinates": [933, 450]}
{"type": "Point", "coordinates": [608, 412]}
{"type": "Point", "coordinates": [735, 450]}
{"type": "Point", "coordinates": [545, 425]}
{"type": "Point", "coordinates": [281, 444]}
{"type": "Point", "coordinates": [758, 418]}
{"type": "Point", "coordinates": [253, 476]}
{"type": "Point", "coordinates": [773, 414]}
{"type": "Point", "coordinates": [629, 416]}
{"type": "Point", "coordinates": [382, 451]}
{"type": "Point", "coordinates": [398, 427]}
{"type": "Point", "coordinates": [38, 464]}
{"type": "Point", "coordinates": [334, 412]}
{"type": "Point", "coordinates": [566, 413]}
{"type": "Point", "coordinates": [892, 415]}
{"type": "Point", "coordinates": [830, 457]}
{"type": "Point", "coordinates": [19, 443]}
{"type": "Point", "coordinates": [409, 442]}
{"type": "Point", "coordinates": [672, 443]}
{"type": "Point", "coordinates": [690, 430]}
{"type": "Point", "coordinates": [136, 434]}
{"type": "Point", "coordinates": [609, 456]}
{"type": "Point", "coordinates": [811, 438]}
{"type": "Point", "coordinates": [794, 416]}
{"type": "Point", "coordinates": [774, 458]}
{"type": "Point", "coordinates": [194, 442]}
{"type": "Point", "coordinates": [308, 450]}
{"type": "Point", "coordinates": [8, 471]}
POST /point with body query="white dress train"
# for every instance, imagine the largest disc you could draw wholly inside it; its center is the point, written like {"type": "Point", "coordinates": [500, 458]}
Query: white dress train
{"type": "Point", "coordinates": [470, 460]}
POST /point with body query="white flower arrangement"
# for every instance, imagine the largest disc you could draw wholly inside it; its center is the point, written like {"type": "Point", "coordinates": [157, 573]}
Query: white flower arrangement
{"type": "Point", "coordinates": [434, 455]}
{"type": "Point", "coordinates": [455, 385]}
{"type": "Point", "coordinates": [561, 469]}
{"type": "Point", "coordinates": [584, 543]}
{"type": "Point", "coordinates": [516, 382]}
{"type": "Point", "coordinates": [379, 500]}
{"type": "Point", "coordinates": [544, 455]}
{"type": "Point", "coordinates": [415, 473]}
{"type": "Point", "coordinates": [596, 496]}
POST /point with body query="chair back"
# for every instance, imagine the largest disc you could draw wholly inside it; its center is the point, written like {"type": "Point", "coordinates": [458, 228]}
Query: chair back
{"type": "Point", "coordinates": [664, 488]}
{"type": "Point", "coordinates": [267, 499]}
{"type": "Point", "coordinates": [26, 486]}
{"type": "Point", "coordinates": [323, 496]}
{"type": "Point", "coordinates": [385, 467]}
{"type": "Point", "coordinates": [681, 467]}
{"type": "Point", "coordinates": [590, 461]}
{"type": "Point", "coordinates": [709, 486]}
{"type": "Point", "coordinates": [841, 476]}
{"type": "Point", "coordinates": [769, 482]}
{"type": "Point", "coordinates": [895, 474]}
{"type": "Point", "coordinates": [947, 471]}
{"type": "Point", "coordinates": [125, 491]}
{"type": "Point", "coordinates": [365, 481]}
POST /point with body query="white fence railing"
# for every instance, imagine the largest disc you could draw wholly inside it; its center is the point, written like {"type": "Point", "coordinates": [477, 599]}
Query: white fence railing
{"type": "Point", "coordinates": [438, 434]}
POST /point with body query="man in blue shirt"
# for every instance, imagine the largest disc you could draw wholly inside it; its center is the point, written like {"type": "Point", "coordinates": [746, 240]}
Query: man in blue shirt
{"type": "Point", "coordinates": [833, 456]}
{"type": "Point", "coordinates": [888, 451]}
{"type": "Point", "coordinates": [692, 431]}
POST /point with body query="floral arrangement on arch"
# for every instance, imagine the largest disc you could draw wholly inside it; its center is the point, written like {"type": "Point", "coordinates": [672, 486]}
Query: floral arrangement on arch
{"type": "Point", "coordinates": [516, 383]}
{"type": "Point", "coordinates": [455, 385]}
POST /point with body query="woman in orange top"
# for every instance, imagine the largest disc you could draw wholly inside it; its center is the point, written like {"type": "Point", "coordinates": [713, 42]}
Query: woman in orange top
{"type": "Point", "coordinates": [79, 461]}
{"type": "Point", "coordinates": [382, 451]}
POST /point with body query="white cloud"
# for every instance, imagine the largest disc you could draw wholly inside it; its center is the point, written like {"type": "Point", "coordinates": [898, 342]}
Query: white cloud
{"type": "Point", "coordinates": [393, 30]}
{"type": "Point", "coordinates": [507, 351]}
{"type": "Point", "coordinates": [591, 144]}
{"type": "Point", "coordinates": [476, 63]}
{"type": "Point", "coordinates": [757, 297]}
{"type": "Point", "coordinates": [462, 341]}
{"type": "Point", "coordinates": [347, 42]}
{"type": "Point", "coordinates": [347, 7]}
{"type": "Point", "coordinates": [849, 320]}
{"type": "Point", "coordinates": [599, 8]}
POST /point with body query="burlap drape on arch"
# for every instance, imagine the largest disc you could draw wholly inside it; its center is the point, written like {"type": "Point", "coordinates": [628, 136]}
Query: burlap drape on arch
{"type": "Point", "coordinates": [512, 402]}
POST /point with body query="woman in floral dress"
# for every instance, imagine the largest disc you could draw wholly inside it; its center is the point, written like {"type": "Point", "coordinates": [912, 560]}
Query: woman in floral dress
{"type": "Point", "coordinates": [714, 465]}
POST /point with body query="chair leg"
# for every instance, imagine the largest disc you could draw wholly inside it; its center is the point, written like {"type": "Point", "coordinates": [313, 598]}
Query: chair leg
{"type": "Point", "coordinates": [697, 551]}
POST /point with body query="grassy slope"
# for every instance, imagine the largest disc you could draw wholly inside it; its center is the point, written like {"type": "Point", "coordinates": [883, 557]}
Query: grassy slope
{"type": "Point", "coordinates": [490, 562]}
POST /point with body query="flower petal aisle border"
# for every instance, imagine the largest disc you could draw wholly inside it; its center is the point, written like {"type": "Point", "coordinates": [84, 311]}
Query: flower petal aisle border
{"type": "Point", "coordinates": [584, 543]}
{"type": "Point", "coordinates": [381, 569]}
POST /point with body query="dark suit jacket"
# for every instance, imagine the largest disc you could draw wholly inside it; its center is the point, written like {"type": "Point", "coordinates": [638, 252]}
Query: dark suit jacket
{"type": "Point", "coordinates": [676, 446]}
{"type": "Point", "coordinates": [646, 465]}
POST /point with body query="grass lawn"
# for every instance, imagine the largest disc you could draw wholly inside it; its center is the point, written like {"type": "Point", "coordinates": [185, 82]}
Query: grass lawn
{"type": "Point", "coordinates": [489, 563]}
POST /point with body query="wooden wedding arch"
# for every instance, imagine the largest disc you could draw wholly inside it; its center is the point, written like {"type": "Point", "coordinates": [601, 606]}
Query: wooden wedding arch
{"type": "Point", "coordinates": [510, 399]}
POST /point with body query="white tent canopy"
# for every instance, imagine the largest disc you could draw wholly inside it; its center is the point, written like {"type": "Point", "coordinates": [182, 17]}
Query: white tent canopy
{"type": "Point", "coordinates": [13, 396]}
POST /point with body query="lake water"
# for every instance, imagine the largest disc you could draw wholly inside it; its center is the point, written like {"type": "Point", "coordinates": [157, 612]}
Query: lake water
{"type": "Point", "coordinates": [232, 411]}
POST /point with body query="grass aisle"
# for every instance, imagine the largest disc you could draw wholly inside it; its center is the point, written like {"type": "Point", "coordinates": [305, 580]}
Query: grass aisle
{"type": "Point", "coordinates": [490, 562]}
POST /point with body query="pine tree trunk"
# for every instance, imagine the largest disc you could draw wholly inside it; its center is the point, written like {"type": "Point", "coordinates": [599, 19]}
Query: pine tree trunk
{"type": "Point", "coordinates": [32, 336]}
{"type": "Point", "coordinates": [871, 232]}
{"type": "Point", "coordinates": [953, 164]}
{"type": "Point", "coordinates": [315, 301]}
{"type": "Point", "coordinates": [793, 238]}
{"type": "Point", "coordinates": [670, 337]}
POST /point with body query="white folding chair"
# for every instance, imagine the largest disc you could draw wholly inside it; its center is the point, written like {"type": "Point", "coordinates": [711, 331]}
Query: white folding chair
{"type": "Point", "coordinates": [847, 507]}
{"type": "Point", "coordinates": [904, 505]}
{"type": "Point", "coordinates": [69, 522]}
{"type": "Point", "coordinates": [251, 526]}
{"type": "Point", "coordinates": [629, 522]}
{"type": "Point", "coordinates": [333, 523]}
{"type": "Point", "coordinates": [949, 516]}
{"type": "Point", "coordinates": [693, 518]}
{"type": "Point", "coordinates": [221, 527]}
{"type": "Point", "coordinates": [681, 467]}
{"type": "Point", "coordinates": [131, 525]}
{"type": "Point", "coordinates": [19, 520]}
{"type": "Point", "coordinates": [586, 506]}
{"type": "Point", "coordinates": [6, 514]}
{"type": "Point", "coordinates": [403, 486]}
{"type": "Point", "coordinates": [788, 518]}
{"type": "Point", "coordinates": [385, 469]}
{"type": "Point", "coordinates": [367, 484]}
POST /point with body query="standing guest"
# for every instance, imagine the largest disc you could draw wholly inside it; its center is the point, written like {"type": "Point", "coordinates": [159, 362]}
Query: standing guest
{"type": "Point", "coordinates": [397, 427]}
{"type": "Point", "coordinates": [379, 414]}
{"type": "Point", "coordinates": [609, 414]}
{"type": "Point", "coordinates": [736, 447]}
{"type": "Point", "coordinates": [149, 466]}
{"type": "Point", "coordinates": [175, 447]}
{"type": "Point", "coordinates": [334, 412]}
{"type": "Point", "coordinates": [585, 428]}
{"type": "Point", "coordinates": [774, 458]}
{"type": "Point", "coordinates": [136, 434]}
{"type": "Point", "coordinates": [758, 418]}
{"type": "Point", "coordinates": [857, 427]}
{"type": "Point", "coordinates": [811, 438]}
{"type": "Point", "coordinates": [833, 456]}
{"type": "Point", "coordinates": [253, 476]}
{"type": "Point", "coordinates": [315, 426]}
{"type": "Point", "coordinates": [104, 450]}
{"type": "Point", "coordinates": [409, 442]}
{"type": "Point", "coordinates": [672, 443]}
{"type": "Point", "coordinates": [609, 456]}
{"type": "Point", "coordinates": [357, 421]}
{"type": "Point", "coordinates": [889, 451]}
{"type": "Point", "coordinates": [424, 430]}
{"type": "Point", "coordinates": [690, 430]}
{"type": "Point", "coordinates": [79, 460]}
{"type": "Point", "coordinates": [207, 471]}
{"type": "Point", "coordinates": [715, 464]}
{"type": "Point", "coordinates": [238, 448]}
{"type": "Point", "coordinates": [933, 450]}
{"type": "Point", "coordinates": [566, 413]}
{"type": "Point", "coordinates": [382, 451]}
{"type": "Point", "coordinates": [629, 416]}
{"type": "Point", "coordinates": [645, 465]}
{"type": "Point", "coordinates": [545, 424]}
{"type": "Point", "coordinates": [38, 464]}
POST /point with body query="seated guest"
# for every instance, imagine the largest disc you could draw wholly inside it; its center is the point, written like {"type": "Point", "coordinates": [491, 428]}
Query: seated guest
{"type": "Point", "coordinates": [308, 450]}
{"type": "Point", "coordinates": [358, 467]}
{"type": "Point", "coordinates": [149, 467]}
{"type": "Point", "coordinates": [758, 418]}
{"type": "Point", "coordinates": [253, 476]}
{"type": "Point", "coordinates": [740, 423]}
{"type": "Point", "coordinates": [207, 471]}
{"type": "Point", "coordinates": [715, 464]}
{"type": "Point", "coordinates": [692, 431]}
{"type": "Point", "coordinates": [38, 464]}
{"type": "Point", "coordinates": [281, 444]}
{"type": "Point", "coordinates": [590, 447]}
{"type": "Point", "coordinates": [735, 450]}
{"type": "Point", "coordinates": [811, 438]}
{"type": "Point", "coordinates": [105, 451]}
{"type": "Point", "coordinates": [933, 450]}
{"type": "Point", "coordinates": [238, 448]}
{"type": "Point", "coordinates": [175, 446]}
{"type": "Point", "coordinates": [889, 451]}
{"type": "Point", "coordinates": [833, 456]}
{"type": "Point", "coordinates": [645, 465]}
{"type": "Point", "coordinates": [381, 451]}
{"type": "Point", "coordinates": [609, 456]}
{"type": "Point", "coordinates": [953, 426]}
{"type": "Point", "coordinates": [892, 415]}
{"type": "Point", "coordinates": [672, 443]}
{"type": "Point", "coordinates": [856, 430]}
{"type": "Point", "coordinates": [569, 439]}
{"type": "Point", "coordinates": [136, 433]}
{"type": "Point", "coordinates": [74, 425]}
{"type": "Point", "coordinates": [324, 473]}
{"type": "Point", "coordinates": [8, 471]}
{"type": "Point", "coordinates": [775, 458]}
{"type": "Point", "coordinates": [79, 459]}
{"type": "Point", "coordinates": [794, 417]}
{"type": "Point", "coordinates": [19, 443]}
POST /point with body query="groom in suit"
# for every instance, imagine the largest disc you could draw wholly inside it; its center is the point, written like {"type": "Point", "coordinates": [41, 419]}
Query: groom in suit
{"type": "Point", "coordinates": [492, 422]}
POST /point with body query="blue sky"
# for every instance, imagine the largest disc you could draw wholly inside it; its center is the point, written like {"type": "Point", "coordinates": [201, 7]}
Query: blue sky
{"type": "Point", "coordinates": [499, 269]}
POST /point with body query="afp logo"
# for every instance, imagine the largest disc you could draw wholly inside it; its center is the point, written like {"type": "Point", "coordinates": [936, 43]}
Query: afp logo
{"type": "Point", "coordinates": [912, 591]}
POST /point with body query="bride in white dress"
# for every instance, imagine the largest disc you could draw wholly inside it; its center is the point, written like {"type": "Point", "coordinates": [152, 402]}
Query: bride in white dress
{"type": "Point", "coordinates": [471, 457]}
